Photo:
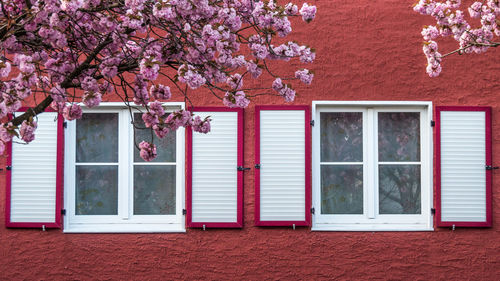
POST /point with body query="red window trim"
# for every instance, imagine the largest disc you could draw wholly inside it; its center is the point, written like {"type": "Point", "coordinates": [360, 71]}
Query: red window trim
{"type": "Point", "coordinates": [189, 156]}
{"type": "Point", "coordinates": [307, 159]}
{"type": "Point", "coordinates": [487, 111]}
{"type": "Point", "coordinates": [59, 180]}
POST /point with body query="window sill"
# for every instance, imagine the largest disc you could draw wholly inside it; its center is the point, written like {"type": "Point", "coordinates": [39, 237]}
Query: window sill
{"type": "Point", "coordinates": [124, 228]}
{"type": "Point", "coordinates": [371, 227]}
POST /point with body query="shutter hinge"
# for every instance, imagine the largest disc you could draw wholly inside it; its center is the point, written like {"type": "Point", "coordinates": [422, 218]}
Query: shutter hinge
{"type": "Point", "coordinates": [184, 211]}
{"type": "Point", "coordinates": [241, 168]}
{"type": "Point", "coordinates": [65, 124]}
{"type": "Point", "coordinates": [257, 166]}
{"type": "Point", "coordinates": [433, 123]}
{"type": "Point", "coordinates": [8, 168]}
{"type": "Point", "coordinates": [312, 122]}
{"type": "Point", "coordinates": [433, 211]}
{"type": "Point", "coordinates": [63, 212]}
{"type": "Point", "coordinates": [312, 210]}
{"type": "Point", "coordinates": [489, 167]}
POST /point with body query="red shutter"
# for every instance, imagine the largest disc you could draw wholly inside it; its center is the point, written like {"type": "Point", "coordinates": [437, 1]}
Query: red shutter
{"type": "Point", "coordinates": [463, 168]}
{"type": "Point", "coordinates": [214, 182]}
{"type": "Point", "coordinates": [35, 176]}
{"type": "Point", "coordinates": [283, 155]}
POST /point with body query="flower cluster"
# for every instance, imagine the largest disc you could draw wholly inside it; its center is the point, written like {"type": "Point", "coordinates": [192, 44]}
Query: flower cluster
{"type": "Point", "coordinates": [147, 151]}
{"type": "Point", "coordinates": [285, 91]}
{"type": "Point", "coordinates": [450, 21]}
{"type": "Point", "coordinates": [235, 100]}
{"type": "Point", "coordinates": [304, 75]}
{"type": "Point", "coordinates": [27, 131]}
{"type": "Point", "coordinates": [73, 52]}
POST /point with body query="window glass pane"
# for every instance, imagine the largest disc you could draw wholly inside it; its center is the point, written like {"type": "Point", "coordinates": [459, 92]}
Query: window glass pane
{"type": "Point", "coordinates": [399, 189]}
{"type": "Point", "coordinates": [342, 189]}
{"type": "Point", "coordinates": [341, 136]}
{"type": "Point", "coordinates": [97, 137]}
{"type": "Point", "coordinates": [96, 190]}
{"type": "Point", "coordinates": [154, 190]}
{"type": "Point", "coordinates": [399, 136]}
{"type": "Point", "coordinates": [165, 147]}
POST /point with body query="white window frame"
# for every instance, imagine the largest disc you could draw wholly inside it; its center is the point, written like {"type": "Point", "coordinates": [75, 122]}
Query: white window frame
{"type": "Point", "coordinates": [125, 220]}
{"type": "Point", "coordinates": [371, 220]}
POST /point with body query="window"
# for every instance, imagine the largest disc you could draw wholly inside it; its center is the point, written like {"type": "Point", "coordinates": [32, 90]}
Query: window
{"type": "Point", "coordinates": [109, 188]}
{"type": "Point", "coordinates": [372, 166]}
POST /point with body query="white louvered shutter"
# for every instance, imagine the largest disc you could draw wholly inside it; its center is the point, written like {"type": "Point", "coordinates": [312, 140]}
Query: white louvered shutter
{"type": "Point", "coordinates": [283, 179]}
{"type": "Point", "coordinates": [35, 180]}
{"type": "Point", "coordinates": [216, 184]}
{"type": "Point", "coordinates": [464, 153]}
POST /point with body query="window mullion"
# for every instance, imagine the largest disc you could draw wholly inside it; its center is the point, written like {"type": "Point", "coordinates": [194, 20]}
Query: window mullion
{"type": "Point", "coordinates": [124, 169]}
{"type": "Point", "coordinates": [370, 166]}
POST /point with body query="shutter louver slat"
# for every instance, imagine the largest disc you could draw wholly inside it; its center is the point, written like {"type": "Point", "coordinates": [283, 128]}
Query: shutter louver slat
{"type": "Point", "coordinates": [282, 182]}
{"type": "Point", "coordinates": [215, 195]}
{"type": "Point", "coordinates": [464, 150]}
{"type": "Point", "coordinates": [35, 178]}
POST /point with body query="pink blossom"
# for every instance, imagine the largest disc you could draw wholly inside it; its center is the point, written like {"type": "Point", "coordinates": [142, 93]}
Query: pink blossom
{"type": "Point", "coordinates": [307, 12]}
{"type": "Point", "coordinates": [254, 69]}
{"type": "Point", "coordinates": [72, 112]}
{"type": "Point", "coordinates": [7, 131]}
{"type": "Point", "coordinates": [24, 63]}
{"type": "Point", "coordinates": [179, 118]}
{"type": "Point", "coordinates": [149, 69]}
{"type": "Point", "coordinates": [157, 108]}
{"type": "Point", "coordinates": [235, 81]}
{"type": "Point", "coordinates": [475, 9]}
{"type": "Point", "coordinates": [3, 110]}
{"type": "Point", "coordinates": [285, 91]}
{"type": "Point", "coordinates": [141, 95]}
{"type": "Point", "coordinates": [58, 106]}
{"type": "Point", "coordinates": [277, 84]}
{"type": "Point", "coordinates": [430, 32]}
{"type": "Point", "coordinates": [304, 75]}
{"type": "Point", "coordinates": [201, 126]}
{"type": "Point", "coordinates": [189, 76]}
{"type": "Point", "coordinates": [288, 94]}
{"type": "Point", "coordinates": [147, 151]}
{"type": "Point", "coordinates": [160, 92]}
{"type": "Point", "coordinates": [92, 99]}
{"type": "Point", "coordinates": [58, 94]}
{"type": "Point", "coordinates": [160, 131]}
{"type": "Point", "coordinates": [4, 69]}
{"type": "Point", "coordinates": [433, 69]}
{"type": "Point", "coordinates": [307, 55]}
{"type": "Point", "coordinates": [291, 9]}
{"type": "Point", "coordinates": [90, 84]}
{"type": "Point", "coordinates": [150, 119]}
{"type": "Point", "coordinates": [237, 99]}
{"type": "Point", "coordinates": [27, 131]}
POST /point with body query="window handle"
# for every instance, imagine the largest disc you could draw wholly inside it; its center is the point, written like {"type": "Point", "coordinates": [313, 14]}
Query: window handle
{"type": "Point", "coordinates": [489, 167]}
{"type": "Point", "coordinates": [241, 168]}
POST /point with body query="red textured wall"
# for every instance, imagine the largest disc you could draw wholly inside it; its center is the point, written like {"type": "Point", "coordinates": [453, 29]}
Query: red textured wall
{"type": "Point", "coordinates": [366, 50]}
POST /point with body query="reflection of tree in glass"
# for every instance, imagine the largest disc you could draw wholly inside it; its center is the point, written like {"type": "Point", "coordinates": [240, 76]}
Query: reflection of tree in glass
{"type": "Point", "coordinates": [154, 190]}
{"type": "Point", "coordinates": [399, 136]}
{"type": "Point", "coordinates": [341, 136]}
{"type": "Point", "coordinates": [97, 137]}
{"type": "Point", "coordinates": [399, 189]}
{"type": "Point", "coordinates": [96, 190]}
{"type": "Point", "coordinates": [342, 189]}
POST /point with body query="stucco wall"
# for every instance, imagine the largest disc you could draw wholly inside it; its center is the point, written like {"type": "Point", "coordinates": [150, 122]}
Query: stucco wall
{"type": "Point", "coordinates": [366, 50]}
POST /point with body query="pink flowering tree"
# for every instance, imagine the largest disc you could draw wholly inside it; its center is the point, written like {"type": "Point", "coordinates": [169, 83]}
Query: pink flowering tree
{"type": "Point", "coordinates": [72, 53]}
{"type": "Point", "coordinates": [451, 21]}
